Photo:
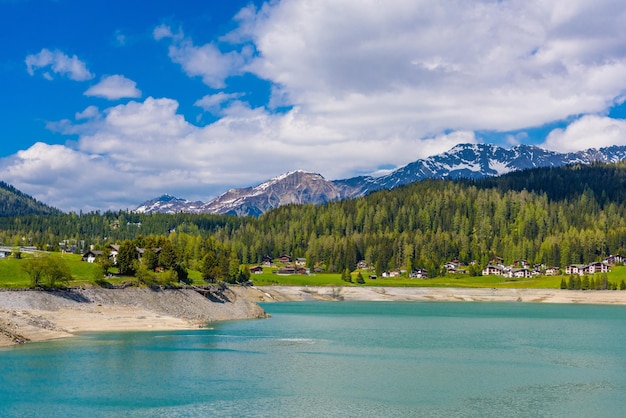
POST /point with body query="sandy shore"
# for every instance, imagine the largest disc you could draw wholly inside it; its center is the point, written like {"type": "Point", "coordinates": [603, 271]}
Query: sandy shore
{"type": "Point", "coordinates": [37, 316]}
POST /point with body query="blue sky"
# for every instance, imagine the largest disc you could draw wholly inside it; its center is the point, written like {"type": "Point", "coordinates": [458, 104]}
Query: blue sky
{"type": "Point", "coordinates": [108, 103]}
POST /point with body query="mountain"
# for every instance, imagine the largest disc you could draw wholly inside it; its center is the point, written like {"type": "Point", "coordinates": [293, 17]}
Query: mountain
{"type": "Point", "coordinates": [297, 187]}
{"type": "Point", "coordinates": [169, 204]}
{"type": "Point", "coordinates": [15, 203]}
{"type": "Point", "coordinates": [472, 161]}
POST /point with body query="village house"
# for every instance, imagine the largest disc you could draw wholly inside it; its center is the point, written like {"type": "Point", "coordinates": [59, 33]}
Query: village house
{"type": "Point", "coordinates": [613, 260]}
{"type": "Point", "coordinates": [267, 261]}
{"type": "Point", "coordinates": [91, 256]}
{"type": "Point", "coordinates": [361, 265]}
{"type": "Point", "coordinates": [256, 270]}
{"type": "Point", "coordinates": [493, 270]}
{"type": "Point", "coordinates": [575, 269]}
{"type": "Point", "coordinates": [285, 271]}
{"type": "Point", "coordinates": [597, 267]}
{"type": "Point", "coordinates": [521, 263]}
{"type": "Point", "coordinates": [300, 261]}
{"type": "Point", "coordinates": [419, 274]}
{"type": "Point", "coordinates": [285, 258]}
{"type": "Point", "coordinates": [521, 273]}
{"type": "Point", "coordinates": [5, 252]}
{"type": "Point", "coordinates": [552, 271]}
{"type": "Point", "coordinates": [591, 268]}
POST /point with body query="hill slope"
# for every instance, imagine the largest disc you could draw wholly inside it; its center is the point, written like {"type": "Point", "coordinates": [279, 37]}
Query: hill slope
{"type": "Point", "coordinates": [15, 203]}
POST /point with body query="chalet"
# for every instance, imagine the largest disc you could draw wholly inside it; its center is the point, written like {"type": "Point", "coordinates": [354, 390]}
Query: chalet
{"type": "Point", "coordinates": [256, 270]}
{"type": "Point", "coordinates": [613, 260]}
{"type": "Point", "coordinates": [493, 270]}
{"type": "Point", "coordinates": [575, 269]}
{"type": "Point", "coordinates": [92, 255]}
{"type": "Point", "coordinates": [419, 274]}
{"type": "Point", "coordinates": [596, 268]}
{"type": "Point", "coordinates": [362, 265]}
{"type": "Point", "coordinates": [552, 271]}
{"type": "Point", "coordinates": [114, 251]}
{"type": "Point", "coordinates": [285, 258]}
{"type": "Point", "coordinates": [285, 271]}
{"type": "Point", "coordinates": [591, 268]}
{"type": "Point", "coordinates": [303, 271]}
{"type": "Point", "coordinates": [496, 261]}
{"type": "Point", "coordinates": [521, 273]}
{"type": "Point", "coordinates": [521, 263]}
{"type": "Point", "coordinates": [267, 260]}
{"type": "Point", "coordinates": [300, 261]}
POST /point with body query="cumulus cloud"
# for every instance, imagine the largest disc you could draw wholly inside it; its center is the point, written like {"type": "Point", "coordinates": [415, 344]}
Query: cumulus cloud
{"type": "Point", "coordinates": [114, 87]}
{"type": "Point", "coordinates": [58, 63]}
{"type": "Point", "coordinates": [88, 113]}
{"type": "Point", "coordinates": [590, 131]}
{"type": "Point", "coordinates": [213, 102]}
{"type": "Point", "coordinates": [367, 84]}
{"type": "Point", "coordinates": [206, 61]}
{"type": "Point", "coordinates": [432, 65]}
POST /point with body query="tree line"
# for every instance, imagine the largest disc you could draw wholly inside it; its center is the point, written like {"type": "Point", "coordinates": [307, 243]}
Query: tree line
{"type": "Point", "coordinates": [553, 216]}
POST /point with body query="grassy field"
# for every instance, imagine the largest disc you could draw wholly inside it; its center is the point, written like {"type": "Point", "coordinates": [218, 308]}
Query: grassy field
{"type": "Point", "coordinates": [13, 276]}
{"type": "Point", "coordinates": [329, 279]}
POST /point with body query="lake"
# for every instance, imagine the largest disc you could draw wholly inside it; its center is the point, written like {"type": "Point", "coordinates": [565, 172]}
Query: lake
{"type": "Point", "coordinates": [337, 359]}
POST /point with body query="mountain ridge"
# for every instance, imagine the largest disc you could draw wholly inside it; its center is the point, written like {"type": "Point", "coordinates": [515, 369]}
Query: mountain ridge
{"type": "Point", "coordinates": [469, 161]}
{"type": "Point", "coordinates": [13, 202]}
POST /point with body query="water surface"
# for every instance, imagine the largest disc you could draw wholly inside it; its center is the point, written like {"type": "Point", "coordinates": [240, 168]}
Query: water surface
{"type": "Point", "coordinates": [337, 359]}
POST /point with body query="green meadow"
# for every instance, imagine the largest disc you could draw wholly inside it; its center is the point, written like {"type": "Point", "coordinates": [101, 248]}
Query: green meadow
{"type": "Point", "coordinates": [12, 275]}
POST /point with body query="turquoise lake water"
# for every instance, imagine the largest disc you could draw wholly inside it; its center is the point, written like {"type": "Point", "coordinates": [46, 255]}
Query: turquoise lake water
{"type": "Point", "coordinates": [337, 359]}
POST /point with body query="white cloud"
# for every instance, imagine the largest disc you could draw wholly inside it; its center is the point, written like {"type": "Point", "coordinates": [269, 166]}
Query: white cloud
{"type": "Point", "coordinates": [114, 87]}
{"type": "Point", "coordinates": [164, 31]}
{"type": "Point", "coordinates": [89, 113]}
{"type": "Point", "coordinates": [590, 131]}
{"type": "Point", "coordinates": [206, 61]}
{"type": "Point", "coordinates": [431, 66]}
{"type": "Point", "coordinates": [213, 102]}
{"type": "Point", "coordinates": [367, 84]}
{"type": "Point", "coordinates": [58, 63]}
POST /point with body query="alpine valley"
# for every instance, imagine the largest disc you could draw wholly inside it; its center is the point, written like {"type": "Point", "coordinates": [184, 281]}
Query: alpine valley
{"type": "Point", "coordinates": [470, 161]}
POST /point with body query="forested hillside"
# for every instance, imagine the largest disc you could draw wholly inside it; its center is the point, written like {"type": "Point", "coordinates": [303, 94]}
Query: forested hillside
{"type": "Point", "coordinates": [553, 216]}
{"type": "Point", "coordinates": [15, 203]}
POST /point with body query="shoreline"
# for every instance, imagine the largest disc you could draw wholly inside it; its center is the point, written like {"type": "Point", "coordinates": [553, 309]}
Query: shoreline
{"type": "Point", "coordinates": [439, 294]}
{"type": "Point", "coordinates": [35, 315]}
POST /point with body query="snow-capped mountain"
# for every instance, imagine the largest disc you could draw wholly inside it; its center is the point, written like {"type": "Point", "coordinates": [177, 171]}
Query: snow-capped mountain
{"type": "Point", "coordinates": [294, 187]}
{"type": "Point", "coordinates": [168, 204]}
{"type": "Point", "coordinates": [462, 161]}
{"type": "Point", "coordinates": [479, 160]}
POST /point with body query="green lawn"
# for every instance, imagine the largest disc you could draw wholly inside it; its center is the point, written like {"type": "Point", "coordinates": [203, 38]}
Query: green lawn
{"type": "Point", "coordinates": [330, 279]}
{"type": "Point", "coordinates": [12, 276]}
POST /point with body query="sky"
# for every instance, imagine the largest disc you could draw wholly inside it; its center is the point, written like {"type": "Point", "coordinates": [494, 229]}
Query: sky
{"type": "Point", "coordinates": [106, 104]}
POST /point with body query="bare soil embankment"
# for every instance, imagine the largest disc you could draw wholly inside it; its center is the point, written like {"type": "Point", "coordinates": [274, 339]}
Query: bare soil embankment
{"type": "Point", "coordinates": [32, 315]}
{"type": "Point", "coordinates": [300, 293]}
